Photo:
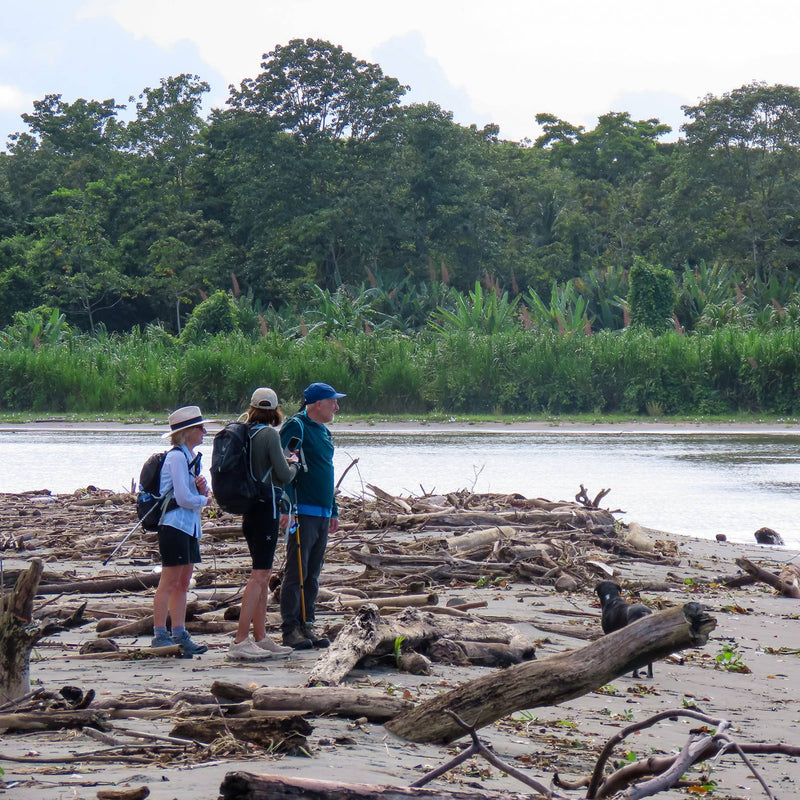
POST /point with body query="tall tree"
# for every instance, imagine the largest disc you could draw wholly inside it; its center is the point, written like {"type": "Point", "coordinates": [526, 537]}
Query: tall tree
{"type": "Point", "coordinates": [314, 88]}
{"type": "Point", "coordinates": [167, 128]}
{"type": "Point", "coordinates": [743, 169]}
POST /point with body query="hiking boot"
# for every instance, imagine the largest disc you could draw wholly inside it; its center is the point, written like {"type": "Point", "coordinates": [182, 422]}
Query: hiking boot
{"type": "Point", "coordinates": [297, 640]}
{"type": "Point", "coordinates": [318, 639]}
{"type": "Point", "coordinates": [246, 650]}
{"type": "Point", "coordinates": [189, 647]}
{"type": "Point", "coordinates": [162, 640]}
{"type": "Point", "coordinates": [273, 648]}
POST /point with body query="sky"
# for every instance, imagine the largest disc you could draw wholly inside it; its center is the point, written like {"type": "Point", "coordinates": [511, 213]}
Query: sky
{"type": "Point", "coordinates": [486, 61]}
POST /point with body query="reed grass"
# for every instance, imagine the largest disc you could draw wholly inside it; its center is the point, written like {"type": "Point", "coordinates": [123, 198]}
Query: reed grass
{"type": "Point", "coordinates": [730, 370]}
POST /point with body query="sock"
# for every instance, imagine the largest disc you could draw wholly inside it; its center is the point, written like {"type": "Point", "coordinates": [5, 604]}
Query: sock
{"type": "Point", "coordinates": [160, 630]}
{"type": "Point", "coordinates": [178, 632]}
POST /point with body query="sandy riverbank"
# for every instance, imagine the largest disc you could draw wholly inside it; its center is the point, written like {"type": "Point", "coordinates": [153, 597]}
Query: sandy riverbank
{"type": "Point", "coordinates": [761, 630]}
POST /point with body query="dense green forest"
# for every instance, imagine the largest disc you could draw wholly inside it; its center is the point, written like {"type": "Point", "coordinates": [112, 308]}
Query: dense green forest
{"type": "Point", "coordinates": [317, 206]}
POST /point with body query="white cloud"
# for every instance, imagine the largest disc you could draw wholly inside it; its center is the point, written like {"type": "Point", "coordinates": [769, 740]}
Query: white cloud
{"type": "Point", "coordinates": [12, 98]}
{"type": "Point", "coordinates": [503, 61]}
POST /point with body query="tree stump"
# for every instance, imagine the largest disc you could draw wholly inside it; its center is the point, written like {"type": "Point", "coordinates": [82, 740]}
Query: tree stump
{"type": "Point", "coordinates": [18, 634]}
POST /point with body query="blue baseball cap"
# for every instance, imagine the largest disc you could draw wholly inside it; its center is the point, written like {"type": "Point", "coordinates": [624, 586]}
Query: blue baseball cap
{"type": "Point", "coordinates": [320, 391]}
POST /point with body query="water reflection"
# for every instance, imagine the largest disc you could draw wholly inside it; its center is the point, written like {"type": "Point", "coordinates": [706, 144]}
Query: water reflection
{"type": "Point", "coordinates": [699, 484]}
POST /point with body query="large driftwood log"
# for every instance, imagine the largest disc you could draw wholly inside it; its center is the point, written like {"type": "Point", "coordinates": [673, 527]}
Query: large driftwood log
{"type": "Point", "coordinates": [556, 678]}
{"type": "Point", "coordinates": [285, 734]}
{"type": "Point", "coordinates": [17, 634]}
{"type": "Point", "coordinates": [341, 702]}
{"type": "Point", "coordinates": [369, 634]}
{"type": "Point", "coordinates": [786, 583]}
{"type": "Point", "coordinates": [53, 721]}
{"type": "Point", "coordinates": [249, 786]}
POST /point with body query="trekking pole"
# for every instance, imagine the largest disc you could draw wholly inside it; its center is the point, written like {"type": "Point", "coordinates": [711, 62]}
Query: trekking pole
{"type": "Point", "coordinates": [133, 529]}
{"type": "Point", "coordinates": [125, 539]}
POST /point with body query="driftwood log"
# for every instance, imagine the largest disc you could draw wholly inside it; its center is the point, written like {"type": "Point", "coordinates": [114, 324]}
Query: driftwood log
{"type": "Point", "coordinates": [18, 634]}
{"type": "Point", "coordinates": [787, 582]}
{"type": "Point", "coordinates": [367, 633]}
{"type": "Point", "coordinates": [102, 585]}
{"type": "Point", "coordinates": [286, 734]}
{"type": "Point", "coordinates": [249, 786]}
{"type": "Point", "coordinates": [557, 678]}
{"type": "Point", "coordinates": [336, 701]}
{"type": "Point", "coordinates": [53, 720]}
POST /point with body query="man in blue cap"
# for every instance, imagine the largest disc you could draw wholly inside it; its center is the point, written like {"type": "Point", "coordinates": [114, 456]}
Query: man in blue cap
{"type": "Point", "coordinates": [314, 503]}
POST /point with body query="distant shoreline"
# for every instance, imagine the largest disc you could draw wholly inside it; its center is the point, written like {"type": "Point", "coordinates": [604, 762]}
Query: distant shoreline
{"type": "Point", "coordinates": [788, 427]}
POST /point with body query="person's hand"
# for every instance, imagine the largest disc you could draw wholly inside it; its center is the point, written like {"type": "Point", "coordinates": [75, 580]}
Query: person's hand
{"type": "Point", "coordinates": [286, 522]}
{"type": "Point", "coordinates": [293, 458]}
{"type": "Point", "coordinates": [202, 485]}
{"type": "Point", "coordinates": [333, 525]}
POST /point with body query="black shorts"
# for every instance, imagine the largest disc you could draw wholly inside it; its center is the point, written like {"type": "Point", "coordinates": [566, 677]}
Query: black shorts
{"type": "Point", "coordinates": [177, 548]}
{"type": "Point", "coordinates": [260, 528]}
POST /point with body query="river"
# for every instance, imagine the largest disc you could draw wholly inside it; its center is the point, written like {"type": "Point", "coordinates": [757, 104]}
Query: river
{"type": "Point", "coordinates": [683, 481]}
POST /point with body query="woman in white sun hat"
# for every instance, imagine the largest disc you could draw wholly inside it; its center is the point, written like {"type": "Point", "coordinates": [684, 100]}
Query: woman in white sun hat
{"type": "Point", "coordinates": [260, 526]}
{"type": "Point", "coordinates": [179, 529]}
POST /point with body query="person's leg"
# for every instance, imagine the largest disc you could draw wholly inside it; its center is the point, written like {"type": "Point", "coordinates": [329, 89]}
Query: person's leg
{"type": "Point", "coordinates": [315, 557]}
{"type": "Point", "coordinates": [190, 555]}
{"type": "Point", "coordinates": [254, 606]}
{"type": "Point", "coordinates": [168, 584]}
{"type": "Point", "coordinates": [260, 614]}
{"type": "Point", "coordinates": [271, 527]}
{"type": "Point", "coordinates": [182, 576]}
{"type": "Point", "coordinates": [292, 613]}
{"type": "Point", "coordinates": [171, 547]}
{"type": "Point", "coordinates": [255, 526]}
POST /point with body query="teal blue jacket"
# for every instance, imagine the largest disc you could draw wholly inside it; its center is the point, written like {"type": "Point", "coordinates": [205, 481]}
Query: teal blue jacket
{"type": "Point", "coordinates": [312, 490]}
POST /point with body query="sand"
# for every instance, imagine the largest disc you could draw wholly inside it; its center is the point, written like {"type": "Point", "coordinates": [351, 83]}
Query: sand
{"type": "Point", "coordinates": [761, 629]}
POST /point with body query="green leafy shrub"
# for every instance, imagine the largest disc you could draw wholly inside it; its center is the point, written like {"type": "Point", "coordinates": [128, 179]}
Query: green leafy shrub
{"type": "Point", "coordinates": [651, 298]}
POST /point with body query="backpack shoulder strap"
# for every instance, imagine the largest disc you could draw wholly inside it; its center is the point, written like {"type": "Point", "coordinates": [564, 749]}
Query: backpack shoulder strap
{"type": "Point", "coordinates": [253, 429]}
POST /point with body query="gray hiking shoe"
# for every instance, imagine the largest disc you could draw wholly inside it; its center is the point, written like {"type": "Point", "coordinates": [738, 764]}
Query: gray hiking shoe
{"type": "Point", "coordinates": [297, 640]}
{"type": "Point", "coordinates": [273, 648]}
{"type": "Point", "coordinates": [189, 647]}
{"type": "Point", "coordinates": [246, 650]}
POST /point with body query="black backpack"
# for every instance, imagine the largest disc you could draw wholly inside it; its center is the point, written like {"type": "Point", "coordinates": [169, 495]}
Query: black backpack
{"type": "Point", "coordinates": [232, 482]}
{"type": "Point", "coordinates": [148, 498]}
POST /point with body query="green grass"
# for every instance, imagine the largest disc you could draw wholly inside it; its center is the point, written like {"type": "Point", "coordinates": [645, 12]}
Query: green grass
{"type": "Point", "coordinates": [730, 374]}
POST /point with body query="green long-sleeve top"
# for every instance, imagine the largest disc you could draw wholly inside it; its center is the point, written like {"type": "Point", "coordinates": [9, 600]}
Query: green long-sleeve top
{"type": "Point", "coordinates": [313, 488]}
{"type": "Point", "coordinates": [266, 451]}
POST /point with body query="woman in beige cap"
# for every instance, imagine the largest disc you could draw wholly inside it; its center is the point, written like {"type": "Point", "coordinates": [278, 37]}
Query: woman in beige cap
{"type": "Point", "coordinates": [179, 528]}
{"type": "Point", "coordinates": [260, 525]}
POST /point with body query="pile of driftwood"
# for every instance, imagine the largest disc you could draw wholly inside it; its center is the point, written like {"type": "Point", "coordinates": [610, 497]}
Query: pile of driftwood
{"type": "Point", "coordinates": [385, 569]}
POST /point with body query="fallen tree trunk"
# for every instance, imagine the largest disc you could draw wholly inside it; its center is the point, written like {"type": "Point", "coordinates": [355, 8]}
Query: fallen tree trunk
{"type": "Point", "coordinates": [249, 786]}
{"type": "Point", "coordinates": [557, 678]}
{"type": "Point", "coordinates": [53, 720]}
{"type": "Point", "coordinates": [17, 635]}
{"type": "Point", "coordinates": [369, 634]}
{"type": "Point", "coordinates": [786, 583]}
{"type": "Point", "coordinates": [340, 702]}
